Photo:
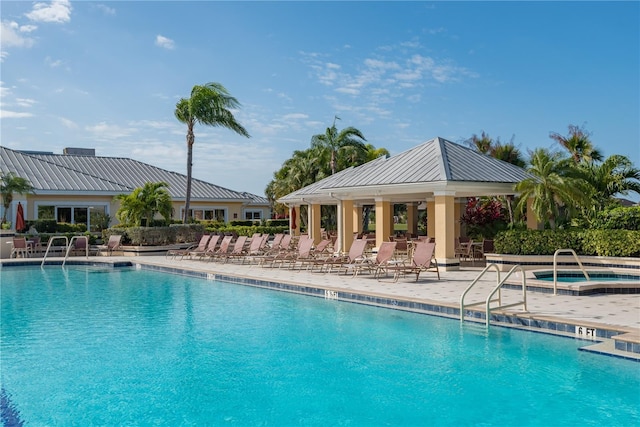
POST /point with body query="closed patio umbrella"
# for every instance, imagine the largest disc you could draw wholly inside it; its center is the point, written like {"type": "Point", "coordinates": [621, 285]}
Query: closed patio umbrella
{"type": "Point", "coordinates": [20, 226]}
{"type": "Point", "coordinates": [293, 218]}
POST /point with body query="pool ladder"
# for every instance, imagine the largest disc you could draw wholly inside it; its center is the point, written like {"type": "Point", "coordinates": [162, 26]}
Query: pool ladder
{"type": "Point", "coordinates": [555, 267]}
{"type": "Point", "coordinates": [496, 290]}
{"type": "Point", "coordinates": [68, 244]}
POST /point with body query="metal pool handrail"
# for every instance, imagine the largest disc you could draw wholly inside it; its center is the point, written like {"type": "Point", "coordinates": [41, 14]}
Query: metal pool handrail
{"type": "Point", "coordinates": [462, 305]}
{"type": "Point", "coordinates": [555, 267]}
{"type": "Point", "coordinates": [51, 240]}
{"type": "Point", "coordinates": [86, 247]}
{"type": "Point", "coordinates": [497, 289]}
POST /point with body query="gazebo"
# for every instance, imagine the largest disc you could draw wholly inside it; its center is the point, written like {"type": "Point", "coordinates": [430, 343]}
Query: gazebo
{"type": "Point", "coordinates": [439, 172]}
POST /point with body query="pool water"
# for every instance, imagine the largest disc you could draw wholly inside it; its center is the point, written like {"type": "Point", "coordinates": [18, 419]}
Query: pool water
{"type": "Point", "coordinates": [83, 346]}
{"type": "Point", "coordinates": [574, 277]}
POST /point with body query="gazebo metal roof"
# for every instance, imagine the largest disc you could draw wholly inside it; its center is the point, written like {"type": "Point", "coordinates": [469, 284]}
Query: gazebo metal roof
{"type": "Point", "coordinates": [435, 166]}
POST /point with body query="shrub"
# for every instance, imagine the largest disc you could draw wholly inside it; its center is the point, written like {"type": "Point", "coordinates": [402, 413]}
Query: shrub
{"type": "Point", "coordinates": [621, 218]}
{"type": "Point", "coordinates": [619, 243]}
{"type": "Point", "coordinates": [186, 233]}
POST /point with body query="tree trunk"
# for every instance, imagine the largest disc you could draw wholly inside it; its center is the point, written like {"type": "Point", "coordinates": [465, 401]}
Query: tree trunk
{"type": "Point", "coordinates": [187, 202]}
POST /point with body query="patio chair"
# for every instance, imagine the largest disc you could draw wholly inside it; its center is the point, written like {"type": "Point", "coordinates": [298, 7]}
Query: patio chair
{"type": "Point", "coordinates": [356, 254]}
{"type": "Point", "coordinates": [199, 247]}
{"type": "Point", "coordinates": [385, 254]}
{"type": "Point", "coordinates": [238, 250]}
{"type": "Point", "coordinates": [464, 249]}
{"type": "Point", "coordinates": [257, 248]}
{"type": "Point", "coordinates": [212, 244]}
{"type": "Point", "coordinates": [20, 247]}
{"type": "Point", "coordinates": [302, 252]}
{"type": "Point", "coordinates": [114, 243]}
{"type": "Point", "coordinates": [423, 260]}
{"type": "Point", "coordinates": [222, 251]}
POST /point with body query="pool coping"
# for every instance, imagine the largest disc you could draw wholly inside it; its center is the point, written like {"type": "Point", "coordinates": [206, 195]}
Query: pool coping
{"type": "Point", "coordinates": [612, 341]}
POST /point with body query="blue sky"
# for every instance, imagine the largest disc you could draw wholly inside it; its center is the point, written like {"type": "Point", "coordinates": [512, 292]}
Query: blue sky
{"type": "Point", "coordinates": [107, 75]}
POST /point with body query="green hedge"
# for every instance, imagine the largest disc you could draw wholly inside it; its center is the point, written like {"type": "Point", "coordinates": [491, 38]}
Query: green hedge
{"type": "Point", "coordinates": [615, 243]}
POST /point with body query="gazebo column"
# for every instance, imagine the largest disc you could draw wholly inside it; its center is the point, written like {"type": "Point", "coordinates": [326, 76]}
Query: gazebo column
{"type": "Point", "coordinates": [445, 231]}
{"type": "Point", "coordinates": [457, 213]}
{"type": "Point", "coordinates": [532, 221]}
{"type": "Point", "coordinates": [431, 218]}
{"type": "Point", "coordinates": [384, 220]}
{"type": "Point", "coordinates": [315, 223]}
{"type": "Point", "coordinates": [412, 218]}
{"type": "Point", "coordinates": [357, 218]}
{"type": "Point", "coordinates": [346, 219]}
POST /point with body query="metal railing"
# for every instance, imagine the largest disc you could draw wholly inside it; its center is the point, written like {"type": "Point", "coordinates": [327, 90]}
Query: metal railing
{"type": "Point", "coordinates": [555, 267]}
{"type": "Point", "coordinates": [51, 240]}
{"type": "Point", "coordinates": [496, 290]}
{"type": "Point", "coordinates": [70, 247]}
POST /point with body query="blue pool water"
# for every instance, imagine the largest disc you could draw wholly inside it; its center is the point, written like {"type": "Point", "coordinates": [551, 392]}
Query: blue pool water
{"type": "Point", "coordinates": [86, 346]}
{"type": "Point", "coordinates": [574, 277]}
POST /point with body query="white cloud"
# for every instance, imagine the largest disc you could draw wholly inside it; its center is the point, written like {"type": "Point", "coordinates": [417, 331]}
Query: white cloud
{"type": "Point", "coordinates": [104, 131]}
{"type": "Point", "coordinates": [25, 102]}
{"type": "Point", "coordinates": [58, 11]}
{"type": "Point", "coordinates": [164, 42]}
{"type": "Point", "coordinates": [51, 63]}
{"type": "Point", "coordinates": [295, 116]}
{"type": "Point", "coordinates": [5, 114]}
{"type": "Point", "coordinates": [106, 9]}
{"type": "Point", "coordinates": [69, 124]}
{"type": "Point", "coordinates": [10, 35]}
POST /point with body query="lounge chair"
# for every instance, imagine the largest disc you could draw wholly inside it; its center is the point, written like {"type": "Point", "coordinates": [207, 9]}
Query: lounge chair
{"type": "Point", "coordinates": [385, 254]}
{"type": "Point", "coordinates": [423, 260]}
{"type": "Point", "coordinates": [199, 247]}
{"type": "Point", "coordinates": [212, 245]}
{"type": "Point", "coordinates": [257, 248]}
{"type": "Point", "coordinates": [356, 254]}
{"type": "Point", "coordinates": [114, 243]}
{"type": "Point", "coordinates": [222, 251]}
{"type": "Point", "coordinates": [238, 250]}
{"type": "Point", "coordinates": [302, 253]}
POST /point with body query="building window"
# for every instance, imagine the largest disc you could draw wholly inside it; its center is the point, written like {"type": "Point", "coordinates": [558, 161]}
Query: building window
{"type": "Point", "coordinates": [208, 214]}
{"type": "Point", "coordinates": [94, 217]}
{"type": "Point", "coordinates": [254, 215]}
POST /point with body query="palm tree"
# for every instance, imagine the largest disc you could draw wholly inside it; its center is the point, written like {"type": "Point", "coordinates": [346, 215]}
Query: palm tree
{"type": "Point", "coordinates": [333, 141]}
{"type": "Point", "coordinates": [10, 183]}
{"type": "Point", "coordinates": [615, 175]}
{"type": "Point", "coordinates": [143, 203]}
{"type": "Point", "coordinates": [210, 104]}
{"type": "Point", "coordinates": [578, 144]}
{"type": "Point", "coordinates": [551, 186]}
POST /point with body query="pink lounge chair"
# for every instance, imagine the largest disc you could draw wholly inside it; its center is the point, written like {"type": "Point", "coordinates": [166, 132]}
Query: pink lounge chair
{"type": "Point", "coordinates": [222, 251]}
{"type": "Point", "coordinates": [114, 243]}
{"type": "Point", "coordinates": [211, 247]}
{"type": "Point", "coordinates": [386, 251]}
{"type": "Point", "coordinates": [238, 250]}
{"type": "Point", "coordinates": [423, 260]}
{"type": "Point", "coordinates": [200, 247]}
{"type": "Point", "coordinates": [356, 254]}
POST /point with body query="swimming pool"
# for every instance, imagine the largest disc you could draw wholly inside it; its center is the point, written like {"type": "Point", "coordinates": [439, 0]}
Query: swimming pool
{"type": "Point", "coordinates": [578, 276]}
{"type": "Point", "coordinates": [84, 346]}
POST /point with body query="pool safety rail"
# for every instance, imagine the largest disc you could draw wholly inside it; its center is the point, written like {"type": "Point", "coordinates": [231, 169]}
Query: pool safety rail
{"type": "Point", "coordinates": [496, 290]}
{"type": "Point", "coordinates": [68, 245]}
{"type": "Point", "coordinates": [555, 267]}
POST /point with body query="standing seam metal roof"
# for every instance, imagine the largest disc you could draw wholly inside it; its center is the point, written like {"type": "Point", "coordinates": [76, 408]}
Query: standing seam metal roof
{"type": "Point", "coordinates": [69, 173]}
{"type": "Point", "coordinates": [436, 160]}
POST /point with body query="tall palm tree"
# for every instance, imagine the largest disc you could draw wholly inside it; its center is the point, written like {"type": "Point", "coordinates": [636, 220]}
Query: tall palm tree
{"type": "Point", "coordinates": [578, 144]}
{"type": "Point", "coordinates": [333, 141]}
{"type": "Point", "coordinates": [210, 104]}
{"type": "Point", "coordinates": [10, 183]}
{"type": "Point", "coordinates": [551, 186]}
